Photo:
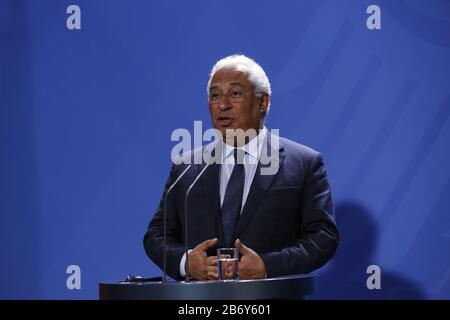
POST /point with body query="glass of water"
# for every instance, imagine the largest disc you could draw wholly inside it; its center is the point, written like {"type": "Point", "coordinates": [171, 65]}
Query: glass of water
{"type": "Point", "coordinates": [227, 264]}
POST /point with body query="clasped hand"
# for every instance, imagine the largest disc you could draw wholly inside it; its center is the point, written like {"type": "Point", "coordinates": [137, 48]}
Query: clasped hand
{"type": "Point", "coordinates": [202, 267]}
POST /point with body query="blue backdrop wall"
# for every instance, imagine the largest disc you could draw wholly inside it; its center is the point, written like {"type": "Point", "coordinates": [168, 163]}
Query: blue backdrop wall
{"type": "Point", "coordinates": [86, 117]}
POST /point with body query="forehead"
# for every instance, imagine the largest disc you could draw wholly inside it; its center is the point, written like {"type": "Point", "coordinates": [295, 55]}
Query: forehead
{"type": "Point", "coordinates": [227, 77]}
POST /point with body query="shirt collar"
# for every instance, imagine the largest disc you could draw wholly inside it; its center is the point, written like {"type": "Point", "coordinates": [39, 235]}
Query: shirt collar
{"type": "Point", "coordinates": [252, 148]}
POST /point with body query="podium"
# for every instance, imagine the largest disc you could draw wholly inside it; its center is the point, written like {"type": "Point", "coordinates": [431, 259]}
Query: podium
{"type": "Point", "coordinates": [294, 287]}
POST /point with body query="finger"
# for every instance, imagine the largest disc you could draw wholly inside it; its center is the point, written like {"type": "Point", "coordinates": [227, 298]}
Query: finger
{"type": "Point", "coordinates": [207, 244]}
{"type": "Point", "coordinates": [229, 265]}
{"type": "Point", "coordinates": [244, 250]}
{"type": "Point", "coordinates": [212, 275]}
{"type": "Point", "coordinates": [212, 261]}
{"type": "Point", "coordinates": [211, 268]}
{"type": "Point", "coordinates": [197, 253]}
{"type": "Point", "coordinates": [231, 268]}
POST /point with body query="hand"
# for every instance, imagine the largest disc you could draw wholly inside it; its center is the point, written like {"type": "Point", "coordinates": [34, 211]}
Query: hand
{"type": "Point", "coordinates": [202, 267]}
{"type": "Point", "coordinates": [251, 265]}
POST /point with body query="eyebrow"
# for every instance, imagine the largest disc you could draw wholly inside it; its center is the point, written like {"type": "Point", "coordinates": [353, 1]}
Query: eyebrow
{"type": "Point", "coordinates": [230, 84]}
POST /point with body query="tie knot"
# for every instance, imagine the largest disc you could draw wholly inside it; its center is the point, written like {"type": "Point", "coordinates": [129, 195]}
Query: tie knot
{"type": "Point", "coordinates": [238, 156]}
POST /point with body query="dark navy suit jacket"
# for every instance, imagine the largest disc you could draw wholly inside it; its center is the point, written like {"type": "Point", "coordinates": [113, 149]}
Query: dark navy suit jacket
{"type": "Point", "coordinates": [288, 217]}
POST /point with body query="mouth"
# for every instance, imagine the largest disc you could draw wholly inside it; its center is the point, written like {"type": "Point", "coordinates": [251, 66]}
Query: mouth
{"type": "Point", "coordinates": [225, 121]}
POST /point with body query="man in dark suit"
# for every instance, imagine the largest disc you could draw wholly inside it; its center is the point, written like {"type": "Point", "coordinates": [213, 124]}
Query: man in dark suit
{"type": "Point", "coordinates": [281, 222]}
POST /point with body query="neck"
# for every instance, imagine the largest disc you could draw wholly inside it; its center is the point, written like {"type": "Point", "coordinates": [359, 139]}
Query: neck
{"type": "Point", "coordinates": [239, 139]}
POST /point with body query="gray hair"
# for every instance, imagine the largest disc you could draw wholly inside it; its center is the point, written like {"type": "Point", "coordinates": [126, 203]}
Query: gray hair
{"type": "Point", "coordinates": [242, 63]}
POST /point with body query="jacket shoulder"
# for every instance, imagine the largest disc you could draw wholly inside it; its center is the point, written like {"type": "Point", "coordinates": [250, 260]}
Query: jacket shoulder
{"type": "Point", "coordinates": [298, 150]}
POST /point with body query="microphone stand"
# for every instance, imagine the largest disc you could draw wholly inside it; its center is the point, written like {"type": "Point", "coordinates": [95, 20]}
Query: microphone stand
{"type": "Point", "coordinates": [186, 219]}
{"type": "Point", "coordinates": [164, 278]}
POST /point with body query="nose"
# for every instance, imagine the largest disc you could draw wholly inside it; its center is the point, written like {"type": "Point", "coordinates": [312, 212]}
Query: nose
{"type": "Point", "coordinates": [224, 103]}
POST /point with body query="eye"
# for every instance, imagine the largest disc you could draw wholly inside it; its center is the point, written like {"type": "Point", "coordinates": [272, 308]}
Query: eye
{"type": "Point", "coordinates": [236, 94]}
{"type": "Point", "coordinates": [214, 96]}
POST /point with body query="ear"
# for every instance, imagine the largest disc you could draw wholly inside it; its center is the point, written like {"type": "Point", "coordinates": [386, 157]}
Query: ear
{"type": "Point", "coordinates": [264, 103]}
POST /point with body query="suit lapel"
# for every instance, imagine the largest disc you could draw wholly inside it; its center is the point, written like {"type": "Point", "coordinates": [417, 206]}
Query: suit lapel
{"type": "Point", "coordinates": [210, 187]}
{"type": "Point", "coordinates": [260, 185]}
{"type": "Point", "coordinates": [210, 193]}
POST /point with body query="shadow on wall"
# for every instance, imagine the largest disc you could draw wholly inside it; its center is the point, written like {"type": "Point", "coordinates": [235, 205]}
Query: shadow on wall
{"type": "Point", "coordinates": [345, 277]}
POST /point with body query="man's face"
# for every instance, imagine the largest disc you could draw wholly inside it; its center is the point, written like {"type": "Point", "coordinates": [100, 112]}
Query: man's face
{"type": "Point", "coordinates": [232, 102]}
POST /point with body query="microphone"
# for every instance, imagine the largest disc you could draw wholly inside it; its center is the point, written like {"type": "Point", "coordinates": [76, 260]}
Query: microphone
{"type": "Point", "coordinates": [186, 219]}
{"type": "Point", "coordinates": [164, 278]}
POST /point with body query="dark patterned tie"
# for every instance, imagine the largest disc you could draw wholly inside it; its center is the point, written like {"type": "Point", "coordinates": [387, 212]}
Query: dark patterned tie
{"type": "Point", "coordinates": [231, 207]}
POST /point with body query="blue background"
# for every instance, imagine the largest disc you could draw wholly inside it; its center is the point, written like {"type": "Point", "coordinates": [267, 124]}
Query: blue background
{"type": "Point", "coordinates": [86, 118]}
